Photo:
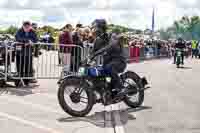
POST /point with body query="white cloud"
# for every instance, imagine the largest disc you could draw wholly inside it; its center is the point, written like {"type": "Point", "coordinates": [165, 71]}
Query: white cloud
{"type": "Point", "coordinates": [134, 13]}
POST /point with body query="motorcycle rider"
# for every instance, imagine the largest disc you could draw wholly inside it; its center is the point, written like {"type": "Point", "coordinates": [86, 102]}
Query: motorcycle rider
{"type": "Point", "coordinates": [180, 45]}
{"type": "Point", "coordinates": [113, 59]}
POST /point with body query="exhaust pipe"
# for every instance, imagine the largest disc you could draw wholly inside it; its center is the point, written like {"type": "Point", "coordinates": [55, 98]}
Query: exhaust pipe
{"type": "Point", "coordinates": [145, 88]}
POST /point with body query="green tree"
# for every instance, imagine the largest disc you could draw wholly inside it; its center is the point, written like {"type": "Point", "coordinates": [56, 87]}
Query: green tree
{"type": "Point", "coordinates": [11, 30]}
{"type": "Point", "coordinates": [187, 27]}
{"type": "Point", "coordinates": [164, 34]}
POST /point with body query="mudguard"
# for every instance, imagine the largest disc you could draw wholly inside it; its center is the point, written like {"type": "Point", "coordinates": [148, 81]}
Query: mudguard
{"type": "Point", "coordinates": [142, 82]}
{"type": "Point", "coordinates": [88, 84]}
{"type": "Point", "coordinates": [68, 77]}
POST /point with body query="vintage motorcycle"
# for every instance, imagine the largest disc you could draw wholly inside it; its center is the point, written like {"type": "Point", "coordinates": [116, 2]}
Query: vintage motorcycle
{"type": "Point", "coordinates": [92, 85]}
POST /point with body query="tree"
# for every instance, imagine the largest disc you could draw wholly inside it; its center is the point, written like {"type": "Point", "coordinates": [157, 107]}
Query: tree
{"type": "Point", "coordinates": [10, 30]}
{"type": "Point", "coordinates": [187, 27]}
{"type": "Point", "coordinates": [164, 34]}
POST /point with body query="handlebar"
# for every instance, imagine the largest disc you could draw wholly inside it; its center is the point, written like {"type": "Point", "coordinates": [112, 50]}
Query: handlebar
{"type": "Point", "coordinates": [178, 49]}
{"type": "Point", "coordinates": [88, 60]}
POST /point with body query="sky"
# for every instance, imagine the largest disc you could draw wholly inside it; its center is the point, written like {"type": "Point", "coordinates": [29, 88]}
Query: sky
{"type": "Point", "coordinates": [132, 13]}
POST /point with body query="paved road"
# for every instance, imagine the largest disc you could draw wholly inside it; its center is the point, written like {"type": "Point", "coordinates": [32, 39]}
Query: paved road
{"type": "Point", "coordinates": [172, 105]}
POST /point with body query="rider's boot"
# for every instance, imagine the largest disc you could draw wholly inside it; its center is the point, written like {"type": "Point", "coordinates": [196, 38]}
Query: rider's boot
{"type": "Point", "coordinates": [182, 61]}
{"type": "Point", "coordinates": [107, 98]}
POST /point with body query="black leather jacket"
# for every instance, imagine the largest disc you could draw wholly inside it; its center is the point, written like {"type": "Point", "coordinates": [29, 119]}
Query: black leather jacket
{"type": "Point", "coordinates": [180, 45]}
{"type": "Point", "coordinates": [112, 50]}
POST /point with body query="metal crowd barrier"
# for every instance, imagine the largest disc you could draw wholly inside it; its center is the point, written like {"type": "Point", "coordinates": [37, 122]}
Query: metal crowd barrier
{"type": "Point", "coordinates": [146, 52]}
{"type": "Point", "coordinates": [38, 61]}
{"type": "Point", "coordinates": [20, 61]}
{"type": "Point", "coordinates": [2, 61]}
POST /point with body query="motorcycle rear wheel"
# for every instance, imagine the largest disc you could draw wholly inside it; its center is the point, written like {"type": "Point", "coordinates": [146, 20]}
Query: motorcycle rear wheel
{"type": "Point", "coordinates": [128, 99]}
{"type": "Point", "coordinates": [75, 82]}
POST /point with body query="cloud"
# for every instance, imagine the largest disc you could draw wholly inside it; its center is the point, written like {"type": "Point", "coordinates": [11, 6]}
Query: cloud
{"type": "Point", "coordinates": [11, 4]}
{"type": "Point", "coordinates": [188, 4]}
{"type": "Point", "coordinates": [53, 15]}
{"type": "Point", "coordinates": [77, 4]}
{"type": "Point", "coordinates": [134, 13]}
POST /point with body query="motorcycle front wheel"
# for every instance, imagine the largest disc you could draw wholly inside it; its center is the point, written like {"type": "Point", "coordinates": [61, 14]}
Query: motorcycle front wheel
{"type": "Point", "coordinates": [133, 82]}
{"type": "Point", "coordinates": [71, 96]}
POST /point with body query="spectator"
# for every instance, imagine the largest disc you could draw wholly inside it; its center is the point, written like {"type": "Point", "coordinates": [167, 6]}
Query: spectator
{"type": "Point", "coordinates": [25, 36]}
{"type": "Point", "coordinates": [36, 47]}
{"type": "Point", "coordinates": [86, 34]}
{"type": "Point", "coordinates": [198, 49]}
{"type": "Point", "coordinates": [91, 37]}
{"type": "Point", "coordinates": [194, 48]}
{"type": "Point", "coordinates": [48, 38]}
{"type": "Point", "coordinates": [65, 39]}
{"type": "Point", "coordinates": [78, 26]}
{"type": "Point", "coordinates": [34, 27]}
{"type": "Point", "coordinates": [76, 51]}
{"type": "Point", "coordinates": [58, 47]}
{"type": "Point", "coordinates": [158, 43]}
{"type": "Point", "coordinates": [36, 51]}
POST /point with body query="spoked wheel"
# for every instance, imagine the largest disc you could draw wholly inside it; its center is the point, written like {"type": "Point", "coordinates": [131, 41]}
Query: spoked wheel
{"type": "Point", "coordinates": [74, 99]}
{"type": "Point", "coordinates": [132, 81]}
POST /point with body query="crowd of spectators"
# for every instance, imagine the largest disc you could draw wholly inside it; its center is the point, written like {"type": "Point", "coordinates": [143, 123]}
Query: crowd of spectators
{"type": "Point", "coordinates": [163, 47]}
{"type": "Point", "coordinates": [71, 39]}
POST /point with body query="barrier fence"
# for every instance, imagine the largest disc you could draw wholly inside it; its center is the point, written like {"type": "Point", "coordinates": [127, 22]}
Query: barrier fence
{"type": "Point", "coordinates": [24, 62]}
{"type": "Point", "coordinates": [49, 61]}
{"type": "Point", "coordinates": [136, 53]}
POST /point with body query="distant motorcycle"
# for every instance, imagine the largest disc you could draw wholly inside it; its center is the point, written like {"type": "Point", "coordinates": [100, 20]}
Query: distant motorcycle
{"type": "Point", "coordinates": [179, 53]}
{"type": "Point", "coordinates": [92, 85]}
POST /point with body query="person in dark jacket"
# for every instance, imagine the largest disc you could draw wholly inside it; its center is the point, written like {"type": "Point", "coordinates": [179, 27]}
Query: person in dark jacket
{"type": "Point", "coordinates": [36, 51]}
{"type": "Point", "coordinates": [76, 51]}
{"type": "Point", "coordinates": [113, 57]}
{"type": "Point", "coordinates": [25, 36]}
{"type": "Point", "coordinates": [180, 45]}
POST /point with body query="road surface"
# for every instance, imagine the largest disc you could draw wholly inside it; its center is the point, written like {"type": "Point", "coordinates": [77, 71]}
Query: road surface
{"type": "Point", "coordinates": [171, 105]}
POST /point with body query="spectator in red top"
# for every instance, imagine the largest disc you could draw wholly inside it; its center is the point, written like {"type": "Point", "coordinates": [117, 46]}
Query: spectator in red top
{"type": "Point", "coordinates": [65, 38]}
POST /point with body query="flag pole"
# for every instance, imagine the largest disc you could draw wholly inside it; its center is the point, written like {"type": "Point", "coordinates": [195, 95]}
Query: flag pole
{"type": "Point", "coordinates": [153, 22]}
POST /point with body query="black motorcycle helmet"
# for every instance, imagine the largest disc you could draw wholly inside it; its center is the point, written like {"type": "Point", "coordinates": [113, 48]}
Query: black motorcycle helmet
{"type": "Point", "coordinates": [101, 38]}
{"type": "Point", "coordinates": [35, 26]}
{"type": "Point", "coordinates": [180, 40]}
{"type": "Point", "coordinates": [99, 26]}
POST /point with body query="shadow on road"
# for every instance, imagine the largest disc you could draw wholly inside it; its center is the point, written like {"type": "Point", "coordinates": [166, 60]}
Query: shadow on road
{"type": "Point", "coordinates": [187, 68]}
{"type": "Point", "coordinates": [105, 119]}
{"type": "Point", "coordinates": [22, 91]}
{"type": "Point", "coordinates": [131, 110]}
